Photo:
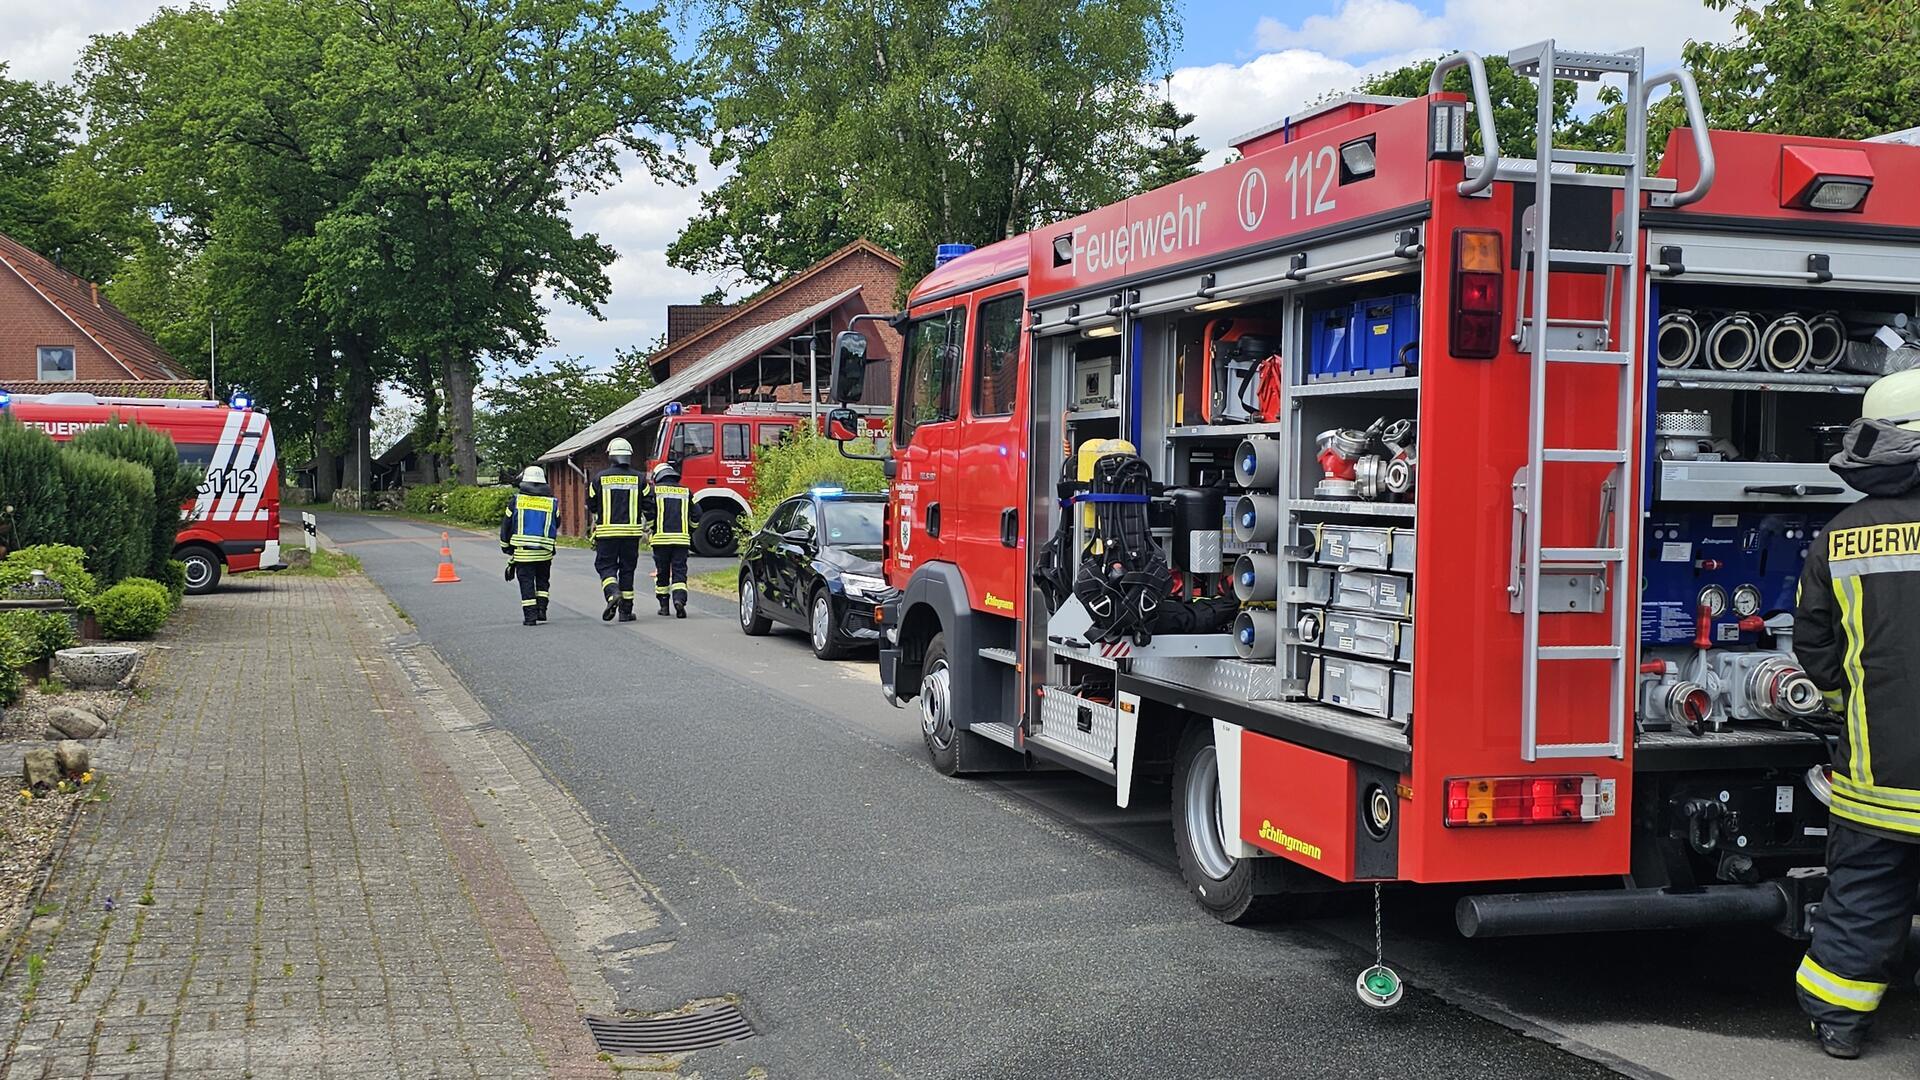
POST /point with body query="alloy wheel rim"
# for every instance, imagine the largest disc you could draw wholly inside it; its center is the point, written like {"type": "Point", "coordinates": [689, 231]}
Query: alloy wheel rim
{"type": "Point", "coordinates": [822, 622]}
{"type": "Point", "coordinates": [936, 718]}
{"type": "Point", "coordinates": [198, 572]}
{"type": "Point", "coordinates": [748, 601]}
{"type": "Point", "coordinates": [1204, 827]}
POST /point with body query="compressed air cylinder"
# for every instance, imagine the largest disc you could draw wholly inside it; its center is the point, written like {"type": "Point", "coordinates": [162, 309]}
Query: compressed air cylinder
{"type": "Point", "coordinates": [1256, 518]}
{"type": "Point", "coordinates": [1256, 464]}
{"type": "Point", "coordinates": [1256, 577]}
{"type": "Point", "coordinates": [1252, 641]}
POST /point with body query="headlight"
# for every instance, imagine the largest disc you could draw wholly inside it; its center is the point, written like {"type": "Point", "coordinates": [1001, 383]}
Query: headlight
{"type": "Point", "coordinates": [860, 586]}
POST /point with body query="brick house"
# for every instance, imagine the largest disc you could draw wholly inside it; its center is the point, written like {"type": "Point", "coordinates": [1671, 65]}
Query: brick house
{"type": "Point", "coordinates": [753, 351]}
{"type": "Point", "coordinates": [59, 334]}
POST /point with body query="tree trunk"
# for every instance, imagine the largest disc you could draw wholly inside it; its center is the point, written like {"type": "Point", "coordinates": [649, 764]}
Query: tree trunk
{"type": "Point", "coordinates": [426, 433]}
{"type": "Point", "coordinates": [325, 461]}
{"type": "Point", "coordinates": [458, 378]}
{"type": "Point", "coordinates": [359, 414]}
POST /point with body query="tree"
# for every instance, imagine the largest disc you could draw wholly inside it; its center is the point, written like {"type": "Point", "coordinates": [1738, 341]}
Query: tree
{"type": "Point", "coordinates": [1513, 100]}
{"type": "Point", "coordinates": [1171, 156]}
{"type": "Point", "coordinates": [1841, 69]}
{"type": "Point", "coordinates": [915, 122]}
{"type": "Point", "coordinates": [41, 203]}
{"type": "Point", "coordinates": [531, 412]}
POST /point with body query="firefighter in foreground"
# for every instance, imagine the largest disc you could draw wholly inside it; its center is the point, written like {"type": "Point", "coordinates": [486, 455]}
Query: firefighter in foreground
{"type": "Point", "coordinates": [613, 511]}
{"type": "Point", "coordinates": [669, 508]}
{"type": "Point", "coordinates": [527, 537]}
{"type": "Point", "coordinates": [1858, 636]}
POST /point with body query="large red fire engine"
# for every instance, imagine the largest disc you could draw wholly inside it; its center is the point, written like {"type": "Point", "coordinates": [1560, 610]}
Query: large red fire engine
{"type": "Point", "coordinates": [233, 522]}
{"type": "Point", "coordinates": [1476, 504]}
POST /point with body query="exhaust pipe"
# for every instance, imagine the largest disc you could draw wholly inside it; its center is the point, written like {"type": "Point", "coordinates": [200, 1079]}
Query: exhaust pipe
{"type": "Point", "coordinates": [1733, 343]}
{"type": "Point", "coordinates": [1826, 342]}
{"type": "Point", "coordinates": [1521, 914]}
{"type": "Point", "coordinates": [1256, 577]}
{"type": "Point", "coordinates": [1256, 518]}
{"type": "Point", "coordinates": [1256, 464]}
{"type": "Point", "coordinates": [1677, 342]}
{"type": "Point", "coordinates": [1249, 643]}
{"type": "Point", "coordinates": [1786, 344]}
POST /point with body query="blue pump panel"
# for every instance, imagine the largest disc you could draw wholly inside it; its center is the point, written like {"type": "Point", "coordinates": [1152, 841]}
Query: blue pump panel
{"type": "Point", "coordinates": [1688, 554]}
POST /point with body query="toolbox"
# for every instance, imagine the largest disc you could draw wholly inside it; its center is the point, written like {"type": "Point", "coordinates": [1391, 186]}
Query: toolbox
{"type": "Point", "coordinates": [1362, 547]}
{"type": "Point", "coordinates": [1355, 590]}
{"type": "Point", "coordinates": [1355, 634]}
{"type": "Point", "coordinates": [1374, 337]}
{"type": "Point", "coordinates": [1374, 689]}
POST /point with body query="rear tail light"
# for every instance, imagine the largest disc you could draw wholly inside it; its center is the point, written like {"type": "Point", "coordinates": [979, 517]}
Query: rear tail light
{"type": "Point", "coordinates": [1478, 285]}
{"type": "Point", "coordinates": [1528, 800]}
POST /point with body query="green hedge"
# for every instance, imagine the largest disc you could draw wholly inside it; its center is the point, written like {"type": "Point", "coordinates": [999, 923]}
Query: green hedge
{"type": "Point", "coordinates": [33, 504]}
{"type": "Point", "coordinates": [62, 563]}
{"type": "Point", "coordinates": [803, 460]}
{"type": "Point", "coordinates": [482, 506]}
{"type": "Point", "coordinates": [427, 498]}
{"type": "Point", "coordinates": [15, 653]}
{"type": "Point", "coordinates": [41, 633]}
{"type": "Point", "coordinates": [111, 513]}
{"type": "Point", "coordinates": [173, 574]}
{"type": "Point", "coordinates": [174, 482]}
{"type": "Point", "coordinates": [135, 608]}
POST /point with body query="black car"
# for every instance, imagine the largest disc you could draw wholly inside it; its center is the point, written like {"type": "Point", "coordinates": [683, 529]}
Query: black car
{"type": "Point", "coordinates": [815, 566]}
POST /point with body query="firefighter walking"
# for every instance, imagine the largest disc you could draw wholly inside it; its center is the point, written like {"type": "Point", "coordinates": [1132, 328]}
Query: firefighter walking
{"type": "Point", "coordinates": [613, 509]}
{"type": "Point", "coordinates": [670, 510]}
{"type": "Point", "coordinates": [527, 535]}
{"type": "Point", "coordinates": [1857, 633]}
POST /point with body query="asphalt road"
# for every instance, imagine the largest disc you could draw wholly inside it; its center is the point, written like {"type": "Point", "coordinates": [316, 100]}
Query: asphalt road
{"type": "Point", "coordinates": [881, 920]}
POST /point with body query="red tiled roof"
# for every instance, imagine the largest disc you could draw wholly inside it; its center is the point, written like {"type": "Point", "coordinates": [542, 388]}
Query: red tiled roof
{"type": "Point", "coordinates": [81, 303]}
{"type": "Point", "coordinates": [192, 389]}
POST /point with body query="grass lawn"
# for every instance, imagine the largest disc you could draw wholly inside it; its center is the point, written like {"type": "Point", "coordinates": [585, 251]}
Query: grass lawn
{"type": "Point", "coordinates": [724, 582]}
{"type": "Point", "coordinates": [326, 564]}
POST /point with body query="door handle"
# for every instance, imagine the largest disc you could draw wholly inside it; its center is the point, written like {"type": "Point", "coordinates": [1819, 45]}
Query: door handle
{"type": "Point", "coordinates": [1010, 527]}
{"type": "Point", "coordinates": [933, 520]}
{"type": "Point", "coordinates": [1793, 491]}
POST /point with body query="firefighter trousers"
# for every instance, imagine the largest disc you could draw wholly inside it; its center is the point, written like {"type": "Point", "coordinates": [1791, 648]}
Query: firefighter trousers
{"type": "Point", "coordinates": [615, 558]}
{"type": "Point", "coordinates": [534, 577]}
{"type": "Point", "coordinates": [1860, 929]}
{"type": "Point", "coordinates": [670, 573]}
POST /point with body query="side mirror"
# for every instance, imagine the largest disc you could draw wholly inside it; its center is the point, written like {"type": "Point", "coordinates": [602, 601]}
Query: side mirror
{"type": "Point", "coordinates": [849, 377]}
{"type": "Point", "coordinates": [843, 424]}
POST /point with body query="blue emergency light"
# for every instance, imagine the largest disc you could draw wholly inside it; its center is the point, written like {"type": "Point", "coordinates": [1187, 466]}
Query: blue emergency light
{"type": "Point", "coordinates": [241, 402]}
{"type": "Point", "coordinates": [946, 253]}
{"type": "Point", "coordinates": [6, 399]}
{"type": "Point", "coordinates": [674, 408]}
{"type": "Point", "coordinates": [829, 491]}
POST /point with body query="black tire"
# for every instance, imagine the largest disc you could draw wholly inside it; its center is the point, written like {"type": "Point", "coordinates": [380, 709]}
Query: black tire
{"type": "Point", "coordinates": [716, 533]}
{"type": "Point", "coordinates": [936, 727]}
{"type": "Point", "coordinates": [203, 568]}
{"type": "Point", "coordinates": [752, 622]}
{"type": "Point", "coordinates": [834, 646]}
{"type": "Point", "coordinates": [1251, 890]}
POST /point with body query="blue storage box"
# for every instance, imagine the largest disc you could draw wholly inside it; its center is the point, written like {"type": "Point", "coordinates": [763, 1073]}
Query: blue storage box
{"type": "Point", "coordinates": [1386, 334]}
{"type": "Point", "coordinates": [1331, 333]}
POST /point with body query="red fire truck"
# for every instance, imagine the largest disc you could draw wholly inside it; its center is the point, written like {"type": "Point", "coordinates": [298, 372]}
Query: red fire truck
{"type": "Point", "coordinates": [1476, 503]}
{"type": "Point", "coordinates": [233, 522]}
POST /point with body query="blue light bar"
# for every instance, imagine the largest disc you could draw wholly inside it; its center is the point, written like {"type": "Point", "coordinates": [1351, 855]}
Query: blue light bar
{"type": "Point", "coordinates": [829, 491]}
{"type": "Point", "coordinates": [674, 408]}
{"type": "Point", "coordinates": [241, 402]}
{"type": "Point", "coordinates": [6, 399]}
{"type": "Point", "coordinates": [946, 253]}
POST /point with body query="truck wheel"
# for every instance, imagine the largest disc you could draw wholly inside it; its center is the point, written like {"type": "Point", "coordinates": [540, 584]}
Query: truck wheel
{"type": "Point", "coordinates": [203, 568]}
{"type": "Point", "coordinates": [1234, 890]}
{"type": "Point", "coordinates": [752, 622]}
{"type": "Point", "coordinates": [715, 533]}
{"type": "Point", "coordinates": [936, 708]}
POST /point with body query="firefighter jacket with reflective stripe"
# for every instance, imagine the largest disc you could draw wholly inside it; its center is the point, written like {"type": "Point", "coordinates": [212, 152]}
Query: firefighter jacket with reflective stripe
{"type": "Point", "coordinates": [532, 521]}
{"type": "Point", "coordinates": [1857, 631]}
{"type": "Point", "coordinates": [613, 501]}
{"type": "Point", "coordinates": [671, 509]}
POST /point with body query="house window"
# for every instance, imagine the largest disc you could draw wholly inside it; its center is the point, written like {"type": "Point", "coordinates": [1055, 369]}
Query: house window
{"type": "Point", "coordinates": [56, 363]}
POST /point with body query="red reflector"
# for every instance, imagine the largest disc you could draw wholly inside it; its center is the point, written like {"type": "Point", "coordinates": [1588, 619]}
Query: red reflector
{"type": "Point", "coordinates": [1476, 336]}
{"type": "Point", "coordinates": [1479, 292]}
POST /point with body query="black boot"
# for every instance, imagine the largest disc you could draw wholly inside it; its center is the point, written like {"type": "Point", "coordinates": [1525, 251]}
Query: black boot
{"type": "Point", "coordinates": [626, 611]}
{"type": "Point", "coordinates": [1836, 1043]}
{"type": "Point", "coordinates": [540, 612]}
{"type": "Point", "coordinates": [663, 606]}
{"type": "Point", "coordinates": [528, 618]}
{"type": "Point", "coordinates": [613, 605]}
{"type": "Point", "coordinates": [679, 609]}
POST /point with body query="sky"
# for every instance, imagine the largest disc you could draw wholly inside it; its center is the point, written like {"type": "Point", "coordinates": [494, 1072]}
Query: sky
{"type": "Point", "coordinates": [1239, 66]}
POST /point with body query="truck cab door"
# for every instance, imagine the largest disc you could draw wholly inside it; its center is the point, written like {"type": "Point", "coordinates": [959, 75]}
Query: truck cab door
{"type": "Point", "coordinates": [988, 500]}
{"type": "Point", "coordinates": [693, 450]}
{"type": "Point", "coordinates": [926, 440]}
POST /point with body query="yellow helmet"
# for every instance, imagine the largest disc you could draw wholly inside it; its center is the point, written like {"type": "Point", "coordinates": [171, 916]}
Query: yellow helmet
{"type": "Point", "coordinates": [1895, 399]}
{"type": "Point", "coordinates": [620, 448]}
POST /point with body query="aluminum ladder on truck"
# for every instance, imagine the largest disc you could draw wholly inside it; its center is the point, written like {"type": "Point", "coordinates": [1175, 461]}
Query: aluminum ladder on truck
{"type": "Point", "coordinates": [1552, 342]}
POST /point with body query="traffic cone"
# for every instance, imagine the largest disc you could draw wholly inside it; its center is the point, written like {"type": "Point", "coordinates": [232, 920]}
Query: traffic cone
{"type": "Point", "coordinates": [446, 575]}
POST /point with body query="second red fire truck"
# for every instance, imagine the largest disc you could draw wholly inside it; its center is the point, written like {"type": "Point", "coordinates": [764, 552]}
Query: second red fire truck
{"type": "Point", "coordinates": [1421, 521]}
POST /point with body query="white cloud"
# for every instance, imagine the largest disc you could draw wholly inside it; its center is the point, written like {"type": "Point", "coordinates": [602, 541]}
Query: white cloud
{"type": "Point", "coordinates": [1358, 28]}
{"type": "Point", "coordinates": [1363, 28]}
{"type": "Point", "coordinates": [44, 41]}
{"type": "Point", "coordinates": [1230, 100]}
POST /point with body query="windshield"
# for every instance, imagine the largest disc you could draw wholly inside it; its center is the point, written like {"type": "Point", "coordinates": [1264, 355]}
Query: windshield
{"type": "Point", "coordinates": [850, 524]}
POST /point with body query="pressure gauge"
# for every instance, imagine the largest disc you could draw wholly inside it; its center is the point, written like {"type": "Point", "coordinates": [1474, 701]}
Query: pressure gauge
{"type": "Point", "coordinates": [1746, 600]}
{"type": "Point", "coordinates": [1714, 599]}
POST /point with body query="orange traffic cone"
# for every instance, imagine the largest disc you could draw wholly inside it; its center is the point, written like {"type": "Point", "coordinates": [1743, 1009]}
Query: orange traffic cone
{"type": "Point", "coordinates": [446, 575]}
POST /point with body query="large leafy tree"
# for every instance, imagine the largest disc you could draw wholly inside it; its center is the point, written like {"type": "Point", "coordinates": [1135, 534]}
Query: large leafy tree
{"type": "Point", "coordinates": [916, 122]}
{"type": "Point", "coordinates": [530, 412]}
{"type": "Point", "coordinates": [1843, 69]}
{"type": "Point", "coordinates": [1513, 100]}
{"type": "Point", "coordinates": [44, 201]}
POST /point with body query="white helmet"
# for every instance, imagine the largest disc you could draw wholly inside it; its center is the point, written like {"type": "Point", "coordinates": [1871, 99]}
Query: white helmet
{"type": "Point", "coordinates": [533, 474]}
{"type": "Point", "coordinates": [1895, 399]}
{"type": "Point", "coordinates": [665, 471]}
{"type": "Point", "coordinates": [620, 449]}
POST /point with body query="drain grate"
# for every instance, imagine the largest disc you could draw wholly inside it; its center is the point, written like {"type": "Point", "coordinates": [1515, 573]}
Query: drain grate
{"type": "Point", "coordinates": [708, 1026]}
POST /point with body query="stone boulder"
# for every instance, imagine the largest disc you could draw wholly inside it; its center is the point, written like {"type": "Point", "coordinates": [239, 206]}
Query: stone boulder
{"type": "Point", "coordinates": [67, 722]}
{"type": "Point", "coordinates": [95, 667]}
{"type": "Point", "coordinates": [72, 759]}
{"type": "Point", "coordinates": [39, 770]}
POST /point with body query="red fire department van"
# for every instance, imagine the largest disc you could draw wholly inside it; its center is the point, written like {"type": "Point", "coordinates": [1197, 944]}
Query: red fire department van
{"type": "Point", "coordinates": [1420, 521]}
{"type": "Point", "coordinates": [233, 522]}
{"type": "Point", "coordinates": [715, 453]}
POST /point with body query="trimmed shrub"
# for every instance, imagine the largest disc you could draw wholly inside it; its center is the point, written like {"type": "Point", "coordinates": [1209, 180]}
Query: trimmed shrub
{"type": "Point", "coordinates": [62, 563]}
{"type": "Point", "coordinates": [111, 512]}
{"type": "Point", "coordinates": [173, 574]}
{"type": "Point", "coordinates": [40, 633]}
{"type": "Point", "coordinates": [13, 657]}
{"type": "Point", "coordinates": [482, 506]}
{"type": "Point", "coordinates": [135, 608]}
{"type": "Point", "coordinates": [806, 459]}
{"type": "Point", "coordinates": [33, 503]}
{"type": "Point", "coordinates": [427, 498]}
{"type": "Point", "coordinates": [174, 481]}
